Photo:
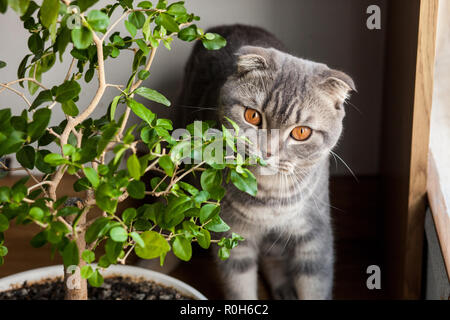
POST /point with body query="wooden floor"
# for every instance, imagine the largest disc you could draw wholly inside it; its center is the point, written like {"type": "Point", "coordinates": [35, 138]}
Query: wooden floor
{"type": "Point", "coordinates": [357, 245]}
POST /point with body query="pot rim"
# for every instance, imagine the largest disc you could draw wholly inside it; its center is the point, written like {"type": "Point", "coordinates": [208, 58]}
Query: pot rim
{"type": "Point", "coordinates": [34, 275]}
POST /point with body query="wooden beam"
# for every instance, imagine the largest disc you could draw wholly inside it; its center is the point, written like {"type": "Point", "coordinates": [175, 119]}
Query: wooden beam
{"type": "Point", "coordinates": [408, 94]}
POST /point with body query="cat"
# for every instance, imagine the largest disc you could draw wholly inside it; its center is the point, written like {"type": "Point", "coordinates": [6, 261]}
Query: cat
{"type": "Point", "coordinates": [286, 226]}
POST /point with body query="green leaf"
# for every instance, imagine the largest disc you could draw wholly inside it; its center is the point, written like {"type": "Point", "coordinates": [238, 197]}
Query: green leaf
{"type": "Point", "coordinates": [96, 229]}
{"type": "Point", "coordinates": [35, 72]}
{"type": "Point", "coordinates": [217, 225]}
{"type": "Point", "coordinates": [35, 43]}
{"type": "Point", "coordinates": [145, 5]}
{"type": "Point", "coordinates": [12, 143]}
{"type": "Point", "coordinates": [152, 95]}
{"type": "Point", "coordinates": [43, 96]}
{"type": "Point", "coordinates": [114, 107]}
{"type": "Point", "coordinates": [70, 108]}
{"type": "Point", "coordinates": [3, 6]}
{"type": "Point", "coordinates": [3, 251]}
{"type": "Point", "coordinates": [98, 20]}
{"type": "Point", "coordinates": [92, 176]}
{"type": "Point", "coordinates": [167, 22]}
{"type": "Point", "coordinates": [89, 74]}
{"type": "Point", "coordinates": [49, 12]}
{"type": "Point", "coordinates": [37, 128]}
{"type": "Point", "coordinates": [19, 6]}
{"type": "Point", "coordinates": [5, 194]}
{"type": "Point", "coordinates": [164, 123]}
{"type": "Point", "coordinates": [137, 238]}
{"type": "Point", "coordinates": [96, 279]}
{"type": "Point", "coordinates": [82, 37]}
{"type": "Point", "coordinates": [54, 159]}
{"type": "Point", "coordinates": [70, 254]}
{"type": "Point", "coordinates": [208, 211]}
{"type": "Point", "coordinates": [246, 183]}
{"type": "Point", "coordinates": [176, 9]}
{"type": "Point", "coordinates": [85, 4]}
{"type": "Point", "coordinates": [188, 187]}
{"type": "Point", "coordinates": [137, 18]}
{"type": "Point", "coordinates": [86, 272]}
{"type": "Point", "coordinates": [167, 164]}
{"type": "Point", "coordinates": [47, 62]}
{"type": "Point", "coordinates": [136, 189]}
{"type": "Point", "coordinates": [128, 215]}
{"type": "Point", "coordinates": [211, 181]}
{"type": "Point", "coordinates": [141, 111]}
{"type": "Point", "coordinates": [155, 245]}
{"type": "Point", "coordinates": [2, 64]}
{"type": "Point", "coordinates": [113, 250]}
{"type": "Point", "coordinates": [131, 28]}
{"type": "Point", "coordinates": [4, 223]}
{"type": "Point", "coordinates": [39, 240]}
{"type": "Point", "coordinates": [26, 157]}
{"type": "Point", "coordinates": [202, 196]}
{"type": "Point", "coordinates": [224, 253]}
{"type": "Point", "coordinates": [118, 234]}
{"type": "Point", "coordinates": [188, 33]}
{"type": "Point", "coordinates": [105, 199]}
{"type": "Point", "coordinates": [204, 239]}
{"type": "Point", "coordinates": [69, 149]}
{"type": "Point", "coordinates": [134, 167]}
{"type": "Point", "coordinates": [215, 43]}
{"type": "Point", "coordinates": [68, 211]}
{"type": "Point", "coordinates": [143, 74]}
{"type": "Point", "coordinates": [143, 46]}
{"type": "Point", "coordinates": [146, 30]}
{"type": "Point", "coordinates": [37, 213]}
{"type": "Point", "coordinates": [67, 91]}
{"type": "Point", "coordinates": [88, 256]}
{"type": "Point", "coordinates": [182, 248]}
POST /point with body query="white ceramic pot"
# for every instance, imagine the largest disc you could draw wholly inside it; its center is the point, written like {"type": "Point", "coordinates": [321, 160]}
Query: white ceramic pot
{"type": "Point", "coordinates": [36, 275]}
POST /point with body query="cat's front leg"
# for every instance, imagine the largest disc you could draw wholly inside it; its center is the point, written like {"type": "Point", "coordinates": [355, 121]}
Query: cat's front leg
{"type": "Point", "coordinates": [311, 268]}
{"type": "Point", "coordinates": [240, 273]}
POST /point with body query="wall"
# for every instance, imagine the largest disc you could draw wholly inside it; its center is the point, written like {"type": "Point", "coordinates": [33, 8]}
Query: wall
{"type": "Point", "coordinates": [329, 31]}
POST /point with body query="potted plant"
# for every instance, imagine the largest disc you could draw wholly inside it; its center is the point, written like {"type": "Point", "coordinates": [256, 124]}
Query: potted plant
{"type": "Point", "coordinates": [103, 153]}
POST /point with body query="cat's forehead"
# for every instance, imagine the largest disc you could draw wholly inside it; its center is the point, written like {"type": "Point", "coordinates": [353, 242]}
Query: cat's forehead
{"type": "Point", "coordinates": [292, 92]}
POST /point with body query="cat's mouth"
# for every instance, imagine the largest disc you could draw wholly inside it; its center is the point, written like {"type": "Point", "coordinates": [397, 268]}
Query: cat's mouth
{"type": "Point", "coordinates": [274, 166]}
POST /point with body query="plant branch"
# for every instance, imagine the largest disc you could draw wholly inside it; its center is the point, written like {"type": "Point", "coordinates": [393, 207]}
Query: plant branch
{"type": "Point", "coordinates": [73, 122]}
{"type": "Point", "coordinates": [16, 92]}
{"type": "Point", "coordinates": [21, 80]}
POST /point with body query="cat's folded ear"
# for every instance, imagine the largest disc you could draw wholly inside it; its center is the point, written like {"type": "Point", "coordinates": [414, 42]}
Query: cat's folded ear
{"type": "Point", "coordinates": [250, 58]}
{"type": "Point", "coordinates": [337, 83]}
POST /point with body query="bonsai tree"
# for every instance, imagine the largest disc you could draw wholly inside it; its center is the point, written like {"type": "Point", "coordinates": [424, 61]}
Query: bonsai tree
{"type": "Point", "coordinates": [103, 153]}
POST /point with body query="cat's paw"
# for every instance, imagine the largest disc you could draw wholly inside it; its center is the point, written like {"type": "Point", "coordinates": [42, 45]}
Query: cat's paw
{"type": "Point", "coordinates": [285, 292]}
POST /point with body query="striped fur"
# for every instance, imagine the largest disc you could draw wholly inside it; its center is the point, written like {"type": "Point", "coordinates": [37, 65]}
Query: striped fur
{"type": "Point", "coordinates": [287, 225]}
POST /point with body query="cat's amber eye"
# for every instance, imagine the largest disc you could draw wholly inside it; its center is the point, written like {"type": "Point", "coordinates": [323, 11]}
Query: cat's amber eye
{"type": "Point", "coordinates": [252, 116]}
{"type": "Point", "coordinates": [301, 133]}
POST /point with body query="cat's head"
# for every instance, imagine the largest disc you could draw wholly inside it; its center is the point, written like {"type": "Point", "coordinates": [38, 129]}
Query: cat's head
{"type": "Point", "coordinates": [290, 108]}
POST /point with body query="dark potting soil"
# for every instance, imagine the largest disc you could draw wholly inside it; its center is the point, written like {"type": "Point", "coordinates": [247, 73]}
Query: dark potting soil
{"type": "Point", "coordinates": [114, 288]}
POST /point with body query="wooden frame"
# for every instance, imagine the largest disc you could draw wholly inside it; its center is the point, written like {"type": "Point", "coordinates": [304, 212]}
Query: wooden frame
{"type": "Point", "coordinates": [439, 211]}
{"type": "Point", "coordinates": [408, 93]}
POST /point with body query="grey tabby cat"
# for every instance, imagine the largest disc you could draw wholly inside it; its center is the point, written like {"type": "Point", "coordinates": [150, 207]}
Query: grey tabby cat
{"type": "Point", "coordinates": [287, 227]}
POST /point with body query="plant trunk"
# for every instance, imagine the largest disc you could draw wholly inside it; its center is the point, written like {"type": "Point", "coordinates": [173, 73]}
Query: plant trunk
{"type": "Point", "coordinates": [75, 286]}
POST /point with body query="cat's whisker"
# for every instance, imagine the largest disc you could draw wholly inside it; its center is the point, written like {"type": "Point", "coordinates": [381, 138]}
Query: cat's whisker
{"type": "Point", "coordinates": [355, 107]}
{"type": "Point", "coordinates": [345, 164]}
